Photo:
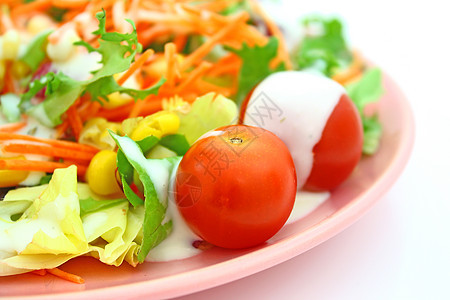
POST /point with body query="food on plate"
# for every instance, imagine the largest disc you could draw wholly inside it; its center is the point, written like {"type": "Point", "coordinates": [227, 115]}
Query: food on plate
{"type": "Point", "coordinates": [236, 186]}
{"type": "Point", "coordinates": [109, 110]}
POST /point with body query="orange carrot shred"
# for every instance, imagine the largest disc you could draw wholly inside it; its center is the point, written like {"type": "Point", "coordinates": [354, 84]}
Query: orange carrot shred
{"type": "Point", "coordinates": [12, 127]}
{"type": "Point", "coordinates": [55, 143]}
{"type": "Point", "coordinates": [20, 147]}
{"type": "Point", "coordinates": [66, 276]}
{"type": "Point", "coordinates": [136, 65]}
{"type": "Point", "coordinates": [74, 121]}
{"type": "Point", "coordinates": [40, 272]}
{"type": "Point", "coordinates": [37, 165]}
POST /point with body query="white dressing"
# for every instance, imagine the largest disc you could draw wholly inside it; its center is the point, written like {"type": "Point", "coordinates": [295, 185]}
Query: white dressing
{"type": "Point", "coordinates": [295, 106]}
{"type": "Point", "coordinates": [178, 244]}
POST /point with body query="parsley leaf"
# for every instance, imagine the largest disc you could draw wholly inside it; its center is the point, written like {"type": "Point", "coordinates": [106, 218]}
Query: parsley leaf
{"type": "Point", "coordinates": [255, 66]}
{"type": "Point", "coordinates": [323, 48]}
{"type": "Point", "coordinates": [118, 51]}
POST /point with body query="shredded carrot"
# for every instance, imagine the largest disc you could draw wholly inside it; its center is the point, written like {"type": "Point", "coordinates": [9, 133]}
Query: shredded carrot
{"type": "Point", "coordinates": [194, 75]}
{"type": "Point", "coordinates": [170, 52]}
{"type": "Point", "coordinates": [55, 143]}
{"type": "Point", "coordinates": [70, 3]}
{"type": "Point", "coordinates": [37, 165]}
{"type": "Point", "coordinates": [12, 127]}
{"type": "Point", "coordinates": [74, 121]}
{"type": "Point", "coordinates": [180, 41]}
{"type": "Point", "coordinates": [136, 65]}
{"type": "Point", "coordinates": [353, 72]}
{"type": "Point", "coordinates": [20, 147]}
{"type": "Point", "coordinates": [66, 276]}
{"type": "Point", "coordinates": [41, 272]}
{"type": "Point", "coordinates": [38, 5]}
{"type": "Point", "coordinates": [206, 47]}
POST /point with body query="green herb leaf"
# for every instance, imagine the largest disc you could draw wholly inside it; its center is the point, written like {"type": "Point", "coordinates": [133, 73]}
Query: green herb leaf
{"type": "Point", "coordinates": [118, 52]}
{"type": "Point", "coordinates": [255, 66]}
{"type": "Point", "coordinates": [34, 54]}
{"type": "Point", "coordinates": [326, 50]}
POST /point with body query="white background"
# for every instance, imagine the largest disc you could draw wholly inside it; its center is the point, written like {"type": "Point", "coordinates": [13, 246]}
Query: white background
{"type": "Point", "coordinates": [401, 248]}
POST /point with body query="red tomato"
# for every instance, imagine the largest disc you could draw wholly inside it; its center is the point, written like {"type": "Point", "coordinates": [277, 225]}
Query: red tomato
{"type": "Point", "coordinates": [236, 186]}
{"type": "Point", "coordinates": [339, 150]}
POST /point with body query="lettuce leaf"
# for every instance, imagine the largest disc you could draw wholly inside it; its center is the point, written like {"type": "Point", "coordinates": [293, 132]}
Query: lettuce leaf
{"type": "Point", "coordinates": [44, 226]}
{"type": "Point", "coordinates": [49, 232]}
{"type": "Point", "coordinates": [207, 113]}
{"type": "Point", "coordinates": [368, 89]}
{"type": "Point", "coordinates": [154, 175]}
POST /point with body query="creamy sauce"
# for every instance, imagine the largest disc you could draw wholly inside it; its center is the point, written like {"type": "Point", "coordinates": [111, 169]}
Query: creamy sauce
{"type": "Point", "coordinates": [295, 106]}
{"type": "Point", "coordinates": [305, 203]}
{"type": "Point", "coordinates": [178, 244]}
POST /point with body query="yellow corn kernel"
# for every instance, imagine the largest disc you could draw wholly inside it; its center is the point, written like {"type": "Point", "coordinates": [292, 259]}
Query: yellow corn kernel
{"type": "Point", "coordinates": [142, 132]}
{"type": "Point", "coordinates": [11, 44]}
{"type": "Point", "coordinates": [95, 133]}
{"type": "Point", "coordinates": [101, 173]}
{"type": "Point", "coordinates": [20, 69]}
{"type": "Point", "coordinates": [168, 123]}
{"type": "Point", "coordinates": [116, 99]}
{"type": "Point", "coordinates": [10, 178]}
{"type": "Point", "coordinates": [159, 124]}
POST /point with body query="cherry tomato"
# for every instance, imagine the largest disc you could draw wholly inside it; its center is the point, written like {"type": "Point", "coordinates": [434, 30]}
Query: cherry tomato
{"type": "Point", "coordinates": [236, 186]}
{"type": "Point", "coordinates": [339, 149]}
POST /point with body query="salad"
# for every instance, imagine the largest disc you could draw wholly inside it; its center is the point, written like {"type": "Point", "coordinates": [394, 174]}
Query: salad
{"type": "Point", "coordinates": [154, 130]}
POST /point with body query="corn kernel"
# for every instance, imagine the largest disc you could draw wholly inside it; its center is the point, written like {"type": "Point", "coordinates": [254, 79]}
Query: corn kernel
{"type": "Point", "coordinates": [95, 133]}
{"type": "Point", "coordinates": [159, 124]}
{"type": "Point", "coordinates": [159, 67]}
{"type": "Point", "coordinates": [9, 178]}
{"type": "Point", "coordinates": [11, 44]}
{"type": "Point", "coordinates": [101, 173]}
{"type": "Point", "coordinates": [20, 69]}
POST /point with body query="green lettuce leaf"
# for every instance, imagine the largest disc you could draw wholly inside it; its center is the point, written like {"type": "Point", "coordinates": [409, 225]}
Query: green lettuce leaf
{"type": "Point", "coordinates": [367, 90]}
{"type": "Point", "coordinates": [255, 66]}
{"type": "Point", "coordinates": [207, 113]}
{"type": "Point", "coordinates": [10, 107]}
{"type": "Point", "coordinates": [154, 174]}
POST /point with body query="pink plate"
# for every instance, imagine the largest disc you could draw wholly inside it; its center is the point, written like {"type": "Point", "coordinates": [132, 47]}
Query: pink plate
{"type": "Point", "coordinates": [373, 177]}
